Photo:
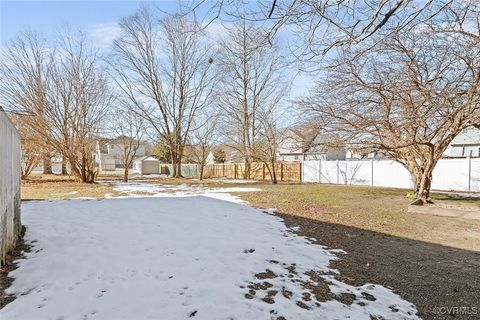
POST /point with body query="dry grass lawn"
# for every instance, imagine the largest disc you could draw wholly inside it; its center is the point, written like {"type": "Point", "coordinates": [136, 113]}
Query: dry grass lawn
{"type": "Point", "coordinates": [58, 187]}
{"type": "Point", "coordinates": [376, 209]}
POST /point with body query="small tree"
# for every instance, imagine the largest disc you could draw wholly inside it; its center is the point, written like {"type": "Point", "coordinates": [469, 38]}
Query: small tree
{"type": "Point", "coordinates": [219, 155]}
{"type": "Point", "coordinates": [78, 99]}
{"type": "Point", "coordinates": [266, 148]}
{"type": "Point", "coordinates": [129, 127]}
{"type": "Point", "coordinates": [254, 80]}
{"type": "Point", "coordinates": [161, 151]}
{"type": "Point", "coordinates": [203, 139]}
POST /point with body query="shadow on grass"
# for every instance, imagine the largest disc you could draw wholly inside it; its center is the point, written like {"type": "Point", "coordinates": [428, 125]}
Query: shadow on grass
{"type": "Point", "coordinates": [455, 197]}
{"type": "Point", "coordinates": [435, 278]}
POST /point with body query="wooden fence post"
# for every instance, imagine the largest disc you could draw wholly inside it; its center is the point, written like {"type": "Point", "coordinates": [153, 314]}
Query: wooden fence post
{"type": "Point", "coordinates": [235, 171]}
{"type": "Point", "coordinates": [281, 171]}
{"type": "Point", "coordinates": [300, 171]}
{"type": "Point", "coordinates": [263, 171]}
{"type": "Point", "coordinates": [223, 169]}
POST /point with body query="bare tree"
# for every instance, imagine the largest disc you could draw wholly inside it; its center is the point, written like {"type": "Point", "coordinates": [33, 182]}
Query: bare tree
{"type": "Point", "coordinates": [24, 75]}
{"type": "Point", "coordinates": [319, 26]}
{"type": "Point", "coordinates": [266, 149]}
{"type": "Point", "coordinates": [408, 95]}
{"type": "Point", "coordinates": [165, 69]}
{"type": "Point", "coordinates": [78, 101]}
{"type": "Point", "coordinates": [254, 81]}
{"type": "Point", "coordinates": [203, 138]}
{"type": "Point", "coordinates": [129, 128]}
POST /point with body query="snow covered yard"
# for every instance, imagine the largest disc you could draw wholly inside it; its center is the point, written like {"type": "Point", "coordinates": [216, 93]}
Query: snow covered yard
{"type": "Point", "coordinates": [178, 256]}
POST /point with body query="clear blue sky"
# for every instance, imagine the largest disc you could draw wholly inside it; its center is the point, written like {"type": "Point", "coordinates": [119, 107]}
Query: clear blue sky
{"type": "Point", "coordinates": [97, 18]}
{"type": "Point", "coordinates": [47, 16]}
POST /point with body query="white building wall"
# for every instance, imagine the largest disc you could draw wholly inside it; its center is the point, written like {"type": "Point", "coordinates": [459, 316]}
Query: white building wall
{"type": "Point", "coordinates": [10, 175]}
{"type": "Point", "coordinates": [463, 151]}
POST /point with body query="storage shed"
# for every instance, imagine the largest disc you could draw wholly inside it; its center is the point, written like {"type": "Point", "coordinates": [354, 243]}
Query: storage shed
{"type": "Point", "coordinates": [146, 165]}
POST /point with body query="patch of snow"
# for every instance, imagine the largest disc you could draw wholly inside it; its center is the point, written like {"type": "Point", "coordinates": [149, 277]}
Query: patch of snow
{"type": "Point", "coordinates": [140, 190]}
{"type": "Point", "coordinates": [176, 258]}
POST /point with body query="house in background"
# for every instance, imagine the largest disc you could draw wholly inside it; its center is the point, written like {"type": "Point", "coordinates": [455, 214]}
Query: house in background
{"type": "Point", "coordinates": [109, 152]}
{"type": "Point", "coordinates": [306, 142]}
{"type": "Point", "coordinates": [363, 154]}
{"type": "Point", "coordinates": [294, 142]}
{"type": "Point", "coordinates": [193, 155]}
{"type": "Point", "coordinates": [466, 144]}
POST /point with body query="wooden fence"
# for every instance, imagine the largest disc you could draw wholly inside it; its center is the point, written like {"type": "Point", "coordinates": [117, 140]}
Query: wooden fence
{"type": "Point", "coordinates": [285, 171]}
{"type": "Point", "coordinates": [10, 173]}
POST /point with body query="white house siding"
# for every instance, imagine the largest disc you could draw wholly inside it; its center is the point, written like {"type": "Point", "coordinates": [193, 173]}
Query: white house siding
{"type": "Point", "coordinates": [466, 144]}
{"type": "Point", "coordinates": [10, 164]}
{"type": "Point", "coordinates": [449, 174]}
{"type": "Point", "coordinates": [464, 151]}
{"type": "Point", "coordinates": [290, 157]}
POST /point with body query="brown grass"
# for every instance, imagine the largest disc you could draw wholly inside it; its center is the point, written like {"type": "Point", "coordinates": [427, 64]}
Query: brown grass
{"type": "Point", "coordinates": [58, 187]}
{"type": "Point", "coordinates": [382, 210]}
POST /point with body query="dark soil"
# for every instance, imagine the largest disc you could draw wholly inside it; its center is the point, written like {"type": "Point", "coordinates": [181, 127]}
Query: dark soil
{"type": "Point", "coordinates": [5, 280]}
{"type": "Point", "coordinates": [437, 279]}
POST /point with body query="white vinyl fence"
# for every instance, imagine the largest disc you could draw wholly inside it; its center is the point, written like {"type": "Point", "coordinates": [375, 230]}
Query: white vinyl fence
{"type": "Point", "coordinates": [10, 160]}
{"type": "Point", "coordinates": [449, 174]}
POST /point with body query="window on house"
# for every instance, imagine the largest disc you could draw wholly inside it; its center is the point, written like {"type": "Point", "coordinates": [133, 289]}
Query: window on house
{"type": "Point", "coordinates": [296, 157]}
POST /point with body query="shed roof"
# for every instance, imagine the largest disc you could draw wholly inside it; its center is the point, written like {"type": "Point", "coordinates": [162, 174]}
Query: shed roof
{"type": "Point", "coordinates": [146, 158]}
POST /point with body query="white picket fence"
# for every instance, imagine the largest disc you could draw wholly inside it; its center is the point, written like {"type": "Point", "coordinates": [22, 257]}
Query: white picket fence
{"type": "Point", "coordinates": [10, 159]}
{"type": "Point", "coordinates": [449, 174]}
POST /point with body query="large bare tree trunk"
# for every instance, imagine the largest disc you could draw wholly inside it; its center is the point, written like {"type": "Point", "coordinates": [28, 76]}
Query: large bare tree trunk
{"type": "Point", "coordinates": [176, 167]}
{"type": "Point", "coordinates": [246, 172]}
{"type": "Point", "coordinates": [64, 166]}
{"type": "Point", "coordinates": [272, 171]}
{"type": "Point", "coordinates": [202, 167]}
{"type": "Point", "coordinates": [422, 181]}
